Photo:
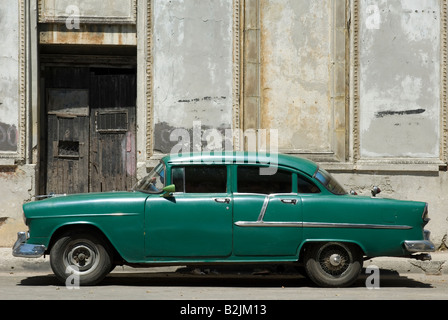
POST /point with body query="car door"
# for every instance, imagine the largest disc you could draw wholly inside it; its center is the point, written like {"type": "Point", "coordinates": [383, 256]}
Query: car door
{"type": "Point", "coordinates": [267, 213]}
{"type": "Point", "coordinates": [196, 221]}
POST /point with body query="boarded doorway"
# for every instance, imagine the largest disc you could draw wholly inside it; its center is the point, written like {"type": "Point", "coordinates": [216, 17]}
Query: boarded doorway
{"type": "Point", "coordinates": [90, 129]}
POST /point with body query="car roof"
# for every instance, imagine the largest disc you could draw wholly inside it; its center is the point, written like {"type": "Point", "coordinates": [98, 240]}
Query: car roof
{"type": "Point", "coordinates": [307, 166]}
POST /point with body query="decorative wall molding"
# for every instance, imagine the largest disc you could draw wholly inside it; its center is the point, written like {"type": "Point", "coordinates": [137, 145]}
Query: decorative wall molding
{"type": "Point", "coordinates": [149, 83]}
{"type": "Point", "coordinates": [444, 79]}
{"type": "Point", "coordinates": [22, 81]}
{"type": "Point", "coordinates": [354, 44]}
{"type": "Point", "coordinates": [238, 9]}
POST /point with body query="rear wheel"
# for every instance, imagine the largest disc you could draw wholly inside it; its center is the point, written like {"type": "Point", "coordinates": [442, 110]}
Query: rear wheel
{"type": "Point", "coordinates": [83, 256]}
{"type": "Point", "coordinates": [333, 264]}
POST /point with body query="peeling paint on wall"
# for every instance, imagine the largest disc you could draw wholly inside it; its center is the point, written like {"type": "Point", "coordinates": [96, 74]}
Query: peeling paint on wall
{"type": "Point", "coordinates": [16, 188]}
{"type": "Point", "coordinates": [199, 138]}
{"type": "Point", "coordinates": [2, 221]}
{"type": "Point", "coordinates": [88, 34]}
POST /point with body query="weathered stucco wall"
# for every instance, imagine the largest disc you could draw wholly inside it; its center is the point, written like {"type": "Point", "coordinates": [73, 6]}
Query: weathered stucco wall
{"type": "Point", "coordinates": [16, 188]}
{"type": "Point", "coordinates": [9, 75]}
{"type": "Point", "coordinates": [302, 76]}
{"type": "Point", "coordinates": [400, 78]}
{"type": "Point", "coordinates": [295, 73]}
{"type": "Point", "coordinates": [193, 67]}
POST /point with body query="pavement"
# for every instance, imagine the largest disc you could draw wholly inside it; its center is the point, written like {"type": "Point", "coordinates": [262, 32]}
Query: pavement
{"type": "Point", "coordinates": [437, 266]}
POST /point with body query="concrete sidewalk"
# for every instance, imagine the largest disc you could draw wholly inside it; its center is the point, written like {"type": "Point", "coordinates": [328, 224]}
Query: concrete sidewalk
{"type": "Point", "coordinates": [438, 265]}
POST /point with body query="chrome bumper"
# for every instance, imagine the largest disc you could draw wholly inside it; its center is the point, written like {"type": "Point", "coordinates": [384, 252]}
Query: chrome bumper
{"type": "Point", "coordinates": [421, 245]}
{"type": "Point", "coordinates": [21, 249]}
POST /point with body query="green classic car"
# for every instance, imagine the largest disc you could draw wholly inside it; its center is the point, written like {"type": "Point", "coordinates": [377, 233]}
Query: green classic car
{"type": "Point", "coordinates": [237, 208]}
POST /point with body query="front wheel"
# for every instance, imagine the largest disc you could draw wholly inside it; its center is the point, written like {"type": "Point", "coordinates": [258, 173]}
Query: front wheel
{"type": "Point", "coordinates": [84, 257]}
{"type": "Point", "coordinates": [333, 264]}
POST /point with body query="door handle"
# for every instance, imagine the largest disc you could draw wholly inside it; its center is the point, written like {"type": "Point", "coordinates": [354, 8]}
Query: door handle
{"type": "Point", "coordinates": [289, 201]}
{"type": "Point", "coordinates": [222, 200]}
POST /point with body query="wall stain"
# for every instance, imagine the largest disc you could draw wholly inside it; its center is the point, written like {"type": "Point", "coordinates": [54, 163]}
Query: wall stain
{"type": "Point", "coordinates": [382, 114]}
{"type": "Point", "coordinates": [202, 99]}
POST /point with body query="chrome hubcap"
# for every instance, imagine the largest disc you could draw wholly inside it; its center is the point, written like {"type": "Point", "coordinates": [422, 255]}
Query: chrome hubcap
{"type": "Point", "coordinates": [82, 257]}
{"type": "Point", "coordinates": [335, 260]}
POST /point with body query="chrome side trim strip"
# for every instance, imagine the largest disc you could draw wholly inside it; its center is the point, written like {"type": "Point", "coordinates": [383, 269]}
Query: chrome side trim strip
{"type": "Point", "coordinates": [353, 226]}
{"type": "Point", "coordinates": [247, 224]}
{"type": "Point", "coordinates": [89, 215]}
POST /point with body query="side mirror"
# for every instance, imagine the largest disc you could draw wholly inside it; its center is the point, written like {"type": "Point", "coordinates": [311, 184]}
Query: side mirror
{"type": "Point", "coordinates": [375, 191]}
{"type": "Point", "coordinates": [168, 191]}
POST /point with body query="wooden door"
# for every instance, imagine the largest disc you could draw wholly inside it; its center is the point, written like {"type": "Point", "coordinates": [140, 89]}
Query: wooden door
{"type": "Point", "coordinates": [67, 113]}
{"type": "Point", "coordinates": [113, 129]}
{"type": "Point", "coordinates": [91, 129]}
{"type": "Point", "coordinates": [68, 157]}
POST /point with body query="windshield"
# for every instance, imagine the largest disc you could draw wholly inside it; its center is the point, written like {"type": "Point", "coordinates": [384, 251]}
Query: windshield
{"type": "Point", "coordinates": [154, 182]}
{"type": "Point", "coordinates": [329, 182]}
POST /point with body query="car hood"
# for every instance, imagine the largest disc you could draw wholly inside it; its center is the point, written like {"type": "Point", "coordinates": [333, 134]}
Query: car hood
{"type": "Point", "coordinates": [89, 203]}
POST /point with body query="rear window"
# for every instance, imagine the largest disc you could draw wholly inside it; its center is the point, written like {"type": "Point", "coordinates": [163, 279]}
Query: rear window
{"type": "Point", "coordinates": [329, 182]}
{"type": "Point", "coordinates": [250, 181]}
{"type": "Point", "coordinates": [305, 186]}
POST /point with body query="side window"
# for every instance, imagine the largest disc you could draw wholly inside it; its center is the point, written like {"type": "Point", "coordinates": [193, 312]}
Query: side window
{"type": "Point", "coordinates": [200, 179]}
{"type": "Point", "coordinates": [250, 181]}
{"type": "Point", "coordinates": [306, 186]}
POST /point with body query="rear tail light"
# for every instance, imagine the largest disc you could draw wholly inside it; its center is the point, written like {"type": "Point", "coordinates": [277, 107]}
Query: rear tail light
{"type": "Point", "coordinates": [425, 215]}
